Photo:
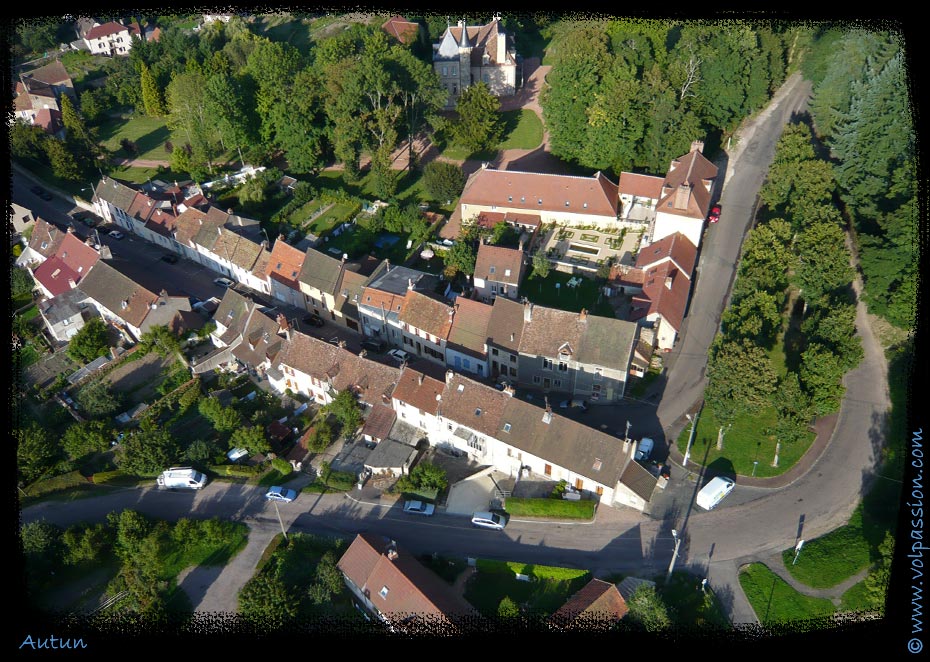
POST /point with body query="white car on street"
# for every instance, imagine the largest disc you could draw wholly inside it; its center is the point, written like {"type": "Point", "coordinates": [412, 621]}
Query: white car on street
{"type": "Point", "coordinates": [419, 508]}
{"type": "Point", "coordinates": [282, 494]}
{"type": "Point", "coordinates": [399, 354]}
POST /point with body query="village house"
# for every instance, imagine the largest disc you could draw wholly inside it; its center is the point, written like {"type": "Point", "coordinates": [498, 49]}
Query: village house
{"type": "Point", "coordinates": [467, 346]}
{"type": "Point", "coordinates": [685, 198]}
{"type": "Point", "coordinates": [66, 266]}
{"type": "Point", "coordinates": [398, 590]}
{"type": "Point", "coordinates": [283, 271]}
{"type": "Point", "coordinates": [498, 271]}
{"type": "Point", "coordinates": [111, 38]}
{"type": "Point", "coordinates": [597, 607]}
{"type": "Point", "coordinates": [64, 315]}
{"type": "Point", "coordinates": [476, 53]}
{"type": "Point", "coordinates": [381, 307]}
{"type": "Point", "coordinates": [585, 355]}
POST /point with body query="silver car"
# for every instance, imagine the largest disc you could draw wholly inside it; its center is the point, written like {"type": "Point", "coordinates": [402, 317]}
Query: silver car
{"type": "Point", "coordinates": [283, 494]}
{"type": "Point", "coordinates": [489, 521]}
{"type": "Point", "coordinates": [419, 508]}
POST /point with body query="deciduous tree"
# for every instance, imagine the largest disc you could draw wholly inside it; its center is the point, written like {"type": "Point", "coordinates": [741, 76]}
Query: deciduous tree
{"type": "Point", "coordinates": [479, 125]}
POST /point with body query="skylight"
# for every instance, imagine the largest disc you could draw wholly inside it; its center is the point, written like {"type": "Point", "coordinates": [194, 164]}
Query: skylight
{"type": "Point", "coordinates": [506, 427]}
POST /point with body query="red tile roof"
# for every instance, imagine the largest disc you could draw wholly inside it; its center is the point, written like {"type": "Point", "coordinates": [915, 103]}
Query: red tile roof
{"type": "Point", "coordinates": [55, 275]}
{"type": "Point", "coordinates": [687, 186]}
{"type": "Point", "coordinates": [641, 186]}
{"type": "Point", "coordinates": [676, 247]}
{"type": "Point", "coordinates": [427, 314]}
{"type": "Point", "coordinates": [665, 292]}
{"type": "Point", "coordinates": [379, 422]}
{"type": "Point", "coordinates": [401, 29]}
{"type": "Point", "coordinates": [284, 264]}
{"type": "Point", "coordinates": [595, 195]}
{"type": "Point", "coordinates": [501, 260]}
{"type": "Point", "coordinates": [106, 29]}
{"type": "Point", "coordinates": [398, 585]}
{"type": "Point", "coordinates": [376, 298]}
{"type": "Point", "coordinates": [598, 603]}
{"type": "Point", "coordinates": [418, 390]}
{"type": "Point", "coordinates": [49, 119]}
{"type": "Point", "coordinates": [76, 254]}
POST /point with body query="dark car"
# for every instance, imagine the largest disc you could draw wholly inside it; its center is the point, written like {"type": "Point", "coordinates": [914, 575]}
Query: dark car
{"type": "Point", "coordinates": [313, 319]}
{"type": "Point", "coordinates": [714, 215]}
{"type": "Point", "coordinates": [45, 195]}
{"type": "Point", "coordinates": [38, 190]}
{"type": "Point", "coordinates": [169, 258]}
{"type": "Point", "coordinates": [373, 345]}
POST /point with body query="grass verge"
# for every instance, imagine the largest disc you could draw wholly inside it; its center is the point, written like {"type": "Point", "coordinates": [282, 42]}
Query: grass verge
{"type": "Point", "coordinates": [555, 508]}
{"type": "Point", "coordinates": [775, 601]}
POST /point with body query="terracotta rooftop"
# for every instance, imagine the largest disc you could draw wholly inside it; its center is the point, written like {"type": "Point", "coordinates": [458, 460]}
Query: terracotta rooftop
{"type": "Point", "coordinates": [379, 422]}
{"type": "Point", "coordinates": [118, 293]}
{"type": "Point", "coordinates": [676, 247]}
{"type": "Point", "coordinates": [687, 186]}
{"type": "Point", "coordinates": [504, 265]}
{"type": "Point", "coordinates": [474, 405]}
{"type": "Point", "coordinates": [427, 314]}
{"type": "Point", "coordinates": [665, 291]}
{"type": "Point", "coordinates": [284, 264]}
{"type": "Point", "coordinates": [418, 390]}
{"type": "Point", "coordinates": [106, 29]}
{"type": "Point", "coordinates": [598, 603]}
{"type": "Point", "coordinates": [641, 186]}
{"type": "Point", "coordinates": [595, 195]}
{"type": "Point", "coordinates": [470, 326]}
{"type": "Point", "coordinates": [505, 326]}
{"type": "Point", "coordinates": [401, 29]}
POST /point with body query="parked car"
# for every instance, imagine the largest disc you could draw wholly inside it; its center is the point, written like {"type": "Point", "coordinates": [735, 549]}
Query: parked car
{"type": "Point", "coordinates": [714, 215]}
{"type": "Point", "coordinates": [714, 492]}
{"type": "Point", "coordinates": [373, 345]}
{"type": "Point", "coordinates": [574, 404]}
{"type": "Point", "coordinates": [314, 319]}
{"type": "Point", "coordinates": [170, 258]}
{"type": "Point", "coordinates": [644, 449]}
{"type": "Point", "coordinates": [116, 234]}
{"type": "Point", "coordinates": [278, 493]}
{"type": "Point", "coordinates": [38, 190]}
{"type": "Point", "coordinates": [399, 354]}
{"type": "Point", "coordinates": [223, 282]}
{"type": "Point", "coordinates": [90, 221]}
{"type": "Point", "coordinates": [419, 508]}
{"type": "Point", "coordinates": [489, 521]}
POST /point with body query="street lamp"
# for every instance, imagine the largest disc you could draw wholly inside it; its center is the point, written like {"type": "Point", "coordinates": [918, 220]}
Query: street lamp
{"type": "Point", "coordinates": [279, 519]}
{"type": "Point", "coordinates": [691, 436]}
{"type": "Point", "coordinates": [671, 566]}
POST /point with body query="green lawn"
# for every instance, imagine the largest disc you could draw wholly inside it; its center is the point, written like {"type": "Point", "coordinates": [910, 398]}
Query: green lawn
{"type": "Point", "coordinates": [857, 599]}
{"type": "Point", "coordinates": [749, 439]}
{"type": "Point", "coordinates": [557, 508]}
{"type": "Point", "coordinates": [523, 130]}
{"type": "Point", "coordinates": [541, 597]}
{"type": "Point", "coordinates": [211, 542]}
{"type": "Point", "coordinates": [830, 559]}
{"type": "Point", "coordinates": [774, 601]}
{"type": "Point", "coordinates": [149, 133]}
{"type": "Point", "coordinates": [545, 293]}
{"type": "Point", "coordinates": [337, 213]}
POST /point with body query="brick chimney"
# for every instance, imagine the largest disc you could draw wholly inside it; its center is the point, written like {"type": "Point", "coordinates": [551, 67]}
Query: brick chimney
{"type": "Point", "coordinates": [420, 379]}
{"type": "Point", "coordinates": [583, 315]}
{"type": "Point", "coordinates": [697, 145]}
{"type": "Point", "coordinates": [527, 311]}
{"type": "Point", "coordinates": [682, 195]}
{"type": "Point", "coordinates": [449, 376]}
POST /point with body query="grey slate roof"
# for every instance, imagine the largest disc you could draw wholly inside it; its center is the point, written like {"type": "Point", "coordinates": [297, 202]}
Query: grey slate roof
{"type": "Point", "coordinates": [390, 454]}
{"type": "Point", "coordinates": [320, 271]}
{"type": "Point", "coordinates": [639, 480]}
{"type": "Point", "coordinates": [116, 193]}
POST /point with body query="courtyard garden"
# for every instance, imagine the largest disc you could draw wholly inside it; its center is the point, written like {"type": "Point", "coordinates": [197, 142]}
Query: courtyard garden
{"type": "Point", "coordinates": [553, 292]}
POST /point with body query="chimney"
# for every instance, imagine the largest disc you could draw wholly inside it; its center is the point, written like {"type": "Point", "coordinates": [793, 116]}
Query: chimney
{"type": "Point", "coordinates": [392, 554]}
{"type": "Point", "coordinates": [281, 237]}
{"type": "Point", "coordinates": [501, 44]}
{"type": "Point", "coordinates": [509, 390]}
{"type": "Point", "coordinates": [388, 265]}
{"type": "Point", "coordinates": [449, 376]}
{"type": "Point", "coordinates": [547, 417]}
{"type": "Point", "coordinates": [71, 283]}
{"type": "Point", "coordinates": [283, 325]}
{"type": "Point", "coordinates": [420, 379]}
{"type": "Point", "coordinates": [362, 354]}
{"type": "Point", "coordinates": [229, 211]}
{"type": "Point", "coordinates": [583, 315]}
{"type": "Point", "coordinates": [409, 283]}
{"type": "Point", "coordinates": [527, 311]}
{"type": "Point", "coordinates": [682, 195]}
{"type": "Point", "coordinates": [513, 337]}
{"type": "Point", "coordinates": [668, 282]}
{"type": "Point", "coordinates": [345, 256]}
{"type": "Point", "coordinates": [70, 229]}
{"type": "Point", "coordinates": [341, 344]}
{"type": "Point", "coordinates": [697, 145]}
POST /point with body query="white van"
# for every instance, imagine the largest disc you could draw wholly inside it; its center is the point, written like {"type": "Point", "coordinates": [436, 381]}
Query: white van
{"type": "Point", "coordinates": [714, 492]}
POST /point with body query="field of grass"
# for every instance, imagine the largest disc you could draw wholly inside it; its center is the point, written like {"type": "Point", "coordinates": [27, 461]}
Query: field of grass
{"type": "Point", "coordinates": [774, 601]}
{"type": "Point", "coordinates": [857, 599]}
{"type": "Point", "coordinates": [224, 541]}
{"type": "Point", "coordinates": [830, 559]}
{"type": "Point", "coordinates": [136, 175]}
{"type": "Point", "coordinates": [148, 133]}
{"type": "Point", "coordinates": [586, 295]}
{"type": "Point", "coordinates": [523, 130]}
{"type": "Point", "coordinates": [749, 439]}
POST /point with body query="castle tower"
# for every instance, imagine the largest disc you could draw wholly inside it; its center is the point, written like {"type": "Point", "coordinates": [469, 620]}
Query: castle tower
{"type": "Point", "coordinates": [465, 48]}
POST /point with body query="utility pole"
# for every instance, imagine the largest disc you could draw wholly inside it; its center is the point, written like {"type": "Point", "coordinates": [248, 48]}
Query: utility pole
{"type": "Point", "coordinates": [671, 566]}
{"type": "Point", "coordinates": [691, 436]}
{"type": "Point", "coordinates": [279, 520]}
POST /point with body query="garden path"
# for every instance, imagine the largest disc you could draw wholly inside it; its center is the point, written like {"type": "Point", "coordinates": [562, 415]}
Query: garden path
{"type": "Point", "coordinates": [776, 564]}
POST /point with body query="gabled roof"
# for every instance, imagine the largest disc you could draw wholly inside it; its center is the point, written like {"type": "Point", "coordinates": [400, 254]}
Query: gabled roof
{"type": "Point", "coordinates": [116, 193]}
{"type": "Point", "coordinates": [63, 306]}
{"type": "Point", "coordinates": [401, 29]}
{"type": "Point", "coordinates": [284, 264]}
{"type": "Point", "coordinates": [598, 603]}
{"type": "Point", "coordinates": [188, 225]}
{"type": "Point", "coordinates": [162, 222]}
{"type": "Point", "coordinates": [46, 238]}
{"type": "Point", "coordinates": [77, 254]}
{"type": "Point", "coordinates": [53, 73]}
{"type": "Point", "coordinates": [687, 186]}
{"type": "Point", "coordinates": [380, 300]}
{"type": "Point", "coordinates": [379, 422]}
{"type": "Point", "coordinates": [582, 450]}
{"type": "Point", "coordinates": [238, 250]}
{"type": "Point", "coordinates": [529, 191]}
{"type": "Point", "coordinates": [349, 292]}
{"type": "Point", "coordinates": [104, 30]}
{"type": "Point", "coordinates": [638, 480]}
{"type": "Point", "coordinates": [418, 390]}
{"type": "Point", "coordinates": [665, 291]}
{"type": "Point", "coordinates": [505, 326]}
{"type": "Point", "coordinates": [640, 186]}
{"type": "Point", "coordinates": [320, 271]}
{"type": "Point", "coordinates": [50, 120]}
{"type": "Point", "coordinates": [470, 326]}
{"type": "Point", "coordinates": [474, 405]}
{"type": "Point", "coordinates": [676, 247]}
{"type": "Point", "coordinates": [427, 314]}
{"type": "Point", "coordinates": [55, 276]}
{"type": "Point", "coordinates": [402, 589]}
{"type": "Point", "coordinates": [506, 263]}
{"type": "Point", "coordinates": [142, 207]}
{"type": "Point", "coordinates": [260, 340]}
{"type": "Point", "coordinates": [482, 39]}
{"type": "Point", "coordinates": [112, 290]}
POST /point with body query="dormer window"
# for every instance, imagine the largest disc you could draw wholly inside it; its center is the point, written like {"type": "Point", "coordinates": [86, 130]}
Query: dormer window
{"type": "Point", "coordinates": [506, 272]}
{"type": "Point", "coordinates": [584, 206]}
{"type": "Point", "coordinates": [539, 201]}
{"type": "Point", "coordinates": [509, 198]}
{"type": "Point", "coordinates": [461, 388]}
{"type": "Point", "coordinates": [44, 245]}
{"type": "Point", "coordinates": [597, 464]}
{"type": "Point", "coordinates": [491, 270]}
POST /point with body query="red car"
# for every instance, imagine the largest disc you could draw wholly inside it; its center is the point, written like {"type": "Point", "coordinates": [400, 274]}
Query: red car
{"type": "Point", "coordinates": [714, 215]}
